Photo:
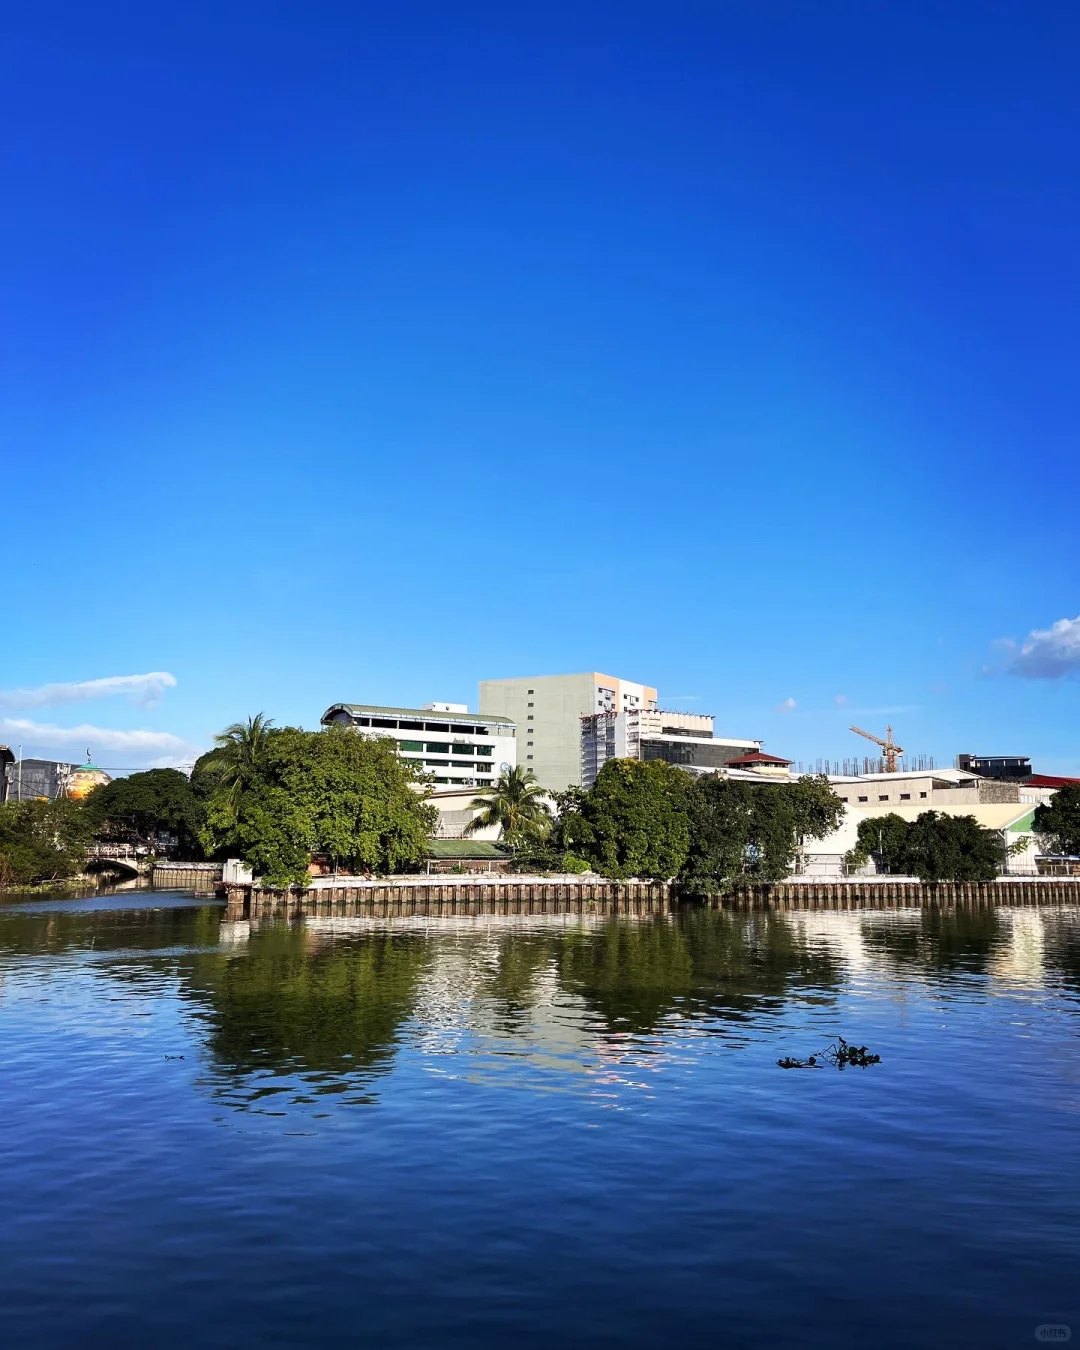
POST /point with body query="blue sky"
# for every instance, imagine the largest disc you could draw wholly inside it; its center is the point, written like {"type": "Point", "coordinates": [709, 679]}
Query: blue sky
{"type": "Point", "coordinates": [362, 352]}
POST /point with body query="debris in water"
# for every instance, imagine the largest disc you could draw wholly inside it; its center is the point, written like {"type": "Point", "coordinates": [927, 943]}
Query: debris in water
{"type": "Point", "coordinates": [838, 1054]}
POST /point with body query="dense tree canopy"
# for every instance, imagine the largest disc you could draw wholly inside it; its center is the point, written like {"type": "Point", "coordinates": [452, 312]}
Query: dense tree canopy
{"type": "Point", "coordinates": [654, 820]}
{"type": "Point", "coordinates": [935, 847]}
{"type": "Point", "coordinates": [139, 808]}
{"type": "Point", "coordinates": [1059, 823]}
{"type": "Point", "coordinates": [329, 793]}
{"type": "Point", "coordinates": [42, 841]}
{"type": "Point", "coordinates": [632, 822]}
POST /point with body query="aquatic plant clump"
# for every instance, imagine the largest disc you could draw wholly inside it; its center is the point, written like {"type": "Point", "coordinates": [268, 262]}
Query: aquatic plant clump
{"type": "Point", "coordinates": [838, 1055]}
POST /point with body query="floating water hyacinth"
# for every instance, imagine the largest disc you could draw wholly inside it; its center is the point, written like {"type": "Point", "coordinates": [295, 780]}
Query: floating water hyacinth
{"type": "Point", "coordinates": [839, 1055]}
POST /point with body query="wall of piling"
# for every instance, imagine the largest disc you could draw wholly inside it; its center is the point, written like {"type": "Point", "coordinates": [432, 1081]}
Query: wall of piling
{"type": "Point", "coordinates": [540, 896]}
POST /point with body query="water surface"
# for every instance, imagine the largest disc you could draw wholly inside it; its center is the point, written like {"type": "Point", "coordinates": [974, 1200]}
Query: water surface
{"type": "Point", "coordinates": [535, 1131]}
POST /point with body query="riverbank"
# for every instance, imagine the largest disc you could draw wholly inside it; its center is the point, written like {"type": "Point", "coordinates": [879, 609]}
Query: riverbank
{"type": "Point", "coordinates": [572, 895]}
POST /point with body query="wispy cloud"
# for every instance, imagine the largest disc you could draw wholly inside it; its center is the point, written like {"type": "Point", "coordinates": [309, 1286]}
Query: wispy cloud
{"type": "Point", "coordinates": [1047, 653]}
{"type": "Point", "coordinates": [841, 700]}
{"type": "Point", "coordinates": [142, 690]}
{"type": "Point", "coordinates": [132, 746]}
{"type": "Point", "coordinates": [788, 705]}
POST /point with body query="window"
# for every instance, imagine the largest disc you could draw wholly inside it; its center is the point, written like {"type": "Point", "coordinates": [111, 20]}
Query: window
{"type": "Point", "coordinates": [485, 749]}
{"type": "Point", "coordinates": [529, 717]}
{"type": "Point", "coordinates": [531, 705]}
{"type": "Point", "coordinates": [883, 796]}
{"type": "Point", "coordinates": [529, 744]}
{"type": "Point", "coordinates": [410, 745]}
{"type": "Point", "coordinates": [437, 748]}
{"type": "Point", "coordinates": [530, 691]}
{"type": "Point", "coordinates": [905, 796]}
{"type": "Point", "coordinates": [461, 764]}
{"type": "Point", "coordinates": [528, 756]}
{"type": "Point", "coordinates": [410, 726]}
{"type": "Point", "coordinates": [843, 799]}
{"type": "Point", "coordinates": [436, 726]}
{"type": "Point", "coordinates": [384, 722]}
{"type": "Point", "coordinates": [462, 749]}
{"type": "Point", "coordinates": [922, 794]}
{"type": "Point", "coordinates": [864, 799]}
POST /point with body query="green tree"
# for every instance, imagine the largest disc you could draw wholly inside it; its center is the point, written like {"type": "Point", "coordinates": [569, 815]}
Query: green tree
{"type": "Point", "coordinates": [721, 823]}
{"type": "Point", "coordinates": [138, 808]}
{"type": "Point", "coordinates": [42, 841]}
{"type": "Point", "coordinates": [633, 820]}
{"type": "Point", "coordinates": [515, 803]}
{"type": "Point", "coordinates": [237, 762]}
{"type": "Point", "coordinates": [1059, 822]}
{"type": "Point", "coordinates": [330, 793]}
{"type": "Point", "coordinates": [752, 831]}
{"type": "Point", "coordinates": [953, 848]}
{"type": "Point", "coordinates": [886, 838]}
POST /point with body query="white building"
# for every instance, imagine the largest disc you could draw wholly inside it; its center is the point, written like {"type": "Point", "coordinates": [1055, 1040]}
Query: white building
{"type": "Point", "coordinates": [456, 747]}
{"type": "Point", "coordinates": [1012, 821]}
{"type": "Point", "coordinates": [547, 711]}
{"type": "Point", "coordinates": [685, 739]}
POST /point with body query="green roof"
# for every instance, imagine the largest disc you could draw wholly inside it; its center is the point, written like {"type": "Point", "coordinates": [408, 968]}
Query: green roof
{"type": "Point", "coordinates": [465, 848]}
{"type": "Point", "coordinates": [415, 714]}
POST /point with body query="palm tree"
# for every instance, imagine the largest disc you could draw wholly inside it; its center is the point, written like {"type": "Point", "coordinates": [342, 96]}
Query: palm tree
{"type": "Point", "coordinates": [240, 755]}
{"type": "Point", "coordinates": [515, 802]}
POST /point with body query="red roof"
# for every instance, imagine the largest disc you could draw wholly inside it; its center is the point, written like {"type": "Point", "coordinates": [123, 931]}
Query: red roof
{"type": "Point", "coordinates": [1048, 780]}
{"type": "Point", "coordinates": [756, 758]}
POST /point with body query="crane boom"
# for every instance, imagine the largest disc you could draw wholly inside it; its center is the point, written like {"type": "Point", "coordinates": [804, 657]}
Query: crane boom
{"type": "Point", "coordinates": [889, 746]}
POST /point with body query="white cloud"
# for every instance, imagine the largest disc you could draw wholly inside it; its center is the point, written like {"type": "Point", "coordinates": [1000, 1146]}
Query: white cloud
{"type": "Point", "coordinates": [788, 705]}
{"type": "Point", "coordinates": [143, 690]}
{"type": "Point", "coordinates": [1048, 653]}
{"type": "Point", "coordinates": [103, 742]}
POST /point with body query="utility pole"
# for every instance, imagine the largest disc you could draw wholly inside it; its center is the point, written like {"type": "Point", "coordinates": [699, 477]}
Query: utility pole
{"type": "Point", "coordinates": [19, 791]}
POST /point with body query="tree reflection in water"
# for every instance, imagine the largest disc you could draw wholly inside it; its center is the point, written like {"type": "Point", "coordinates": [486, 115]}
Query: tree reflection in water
{"type": "Point", "coordinates": [302, 1012]}
{"type": "Point", "coordinates": [325, 1007]}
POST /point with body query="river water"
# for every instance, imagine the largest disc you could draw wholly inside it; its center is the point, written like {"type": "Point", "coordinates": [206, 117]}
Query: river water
{"type": "Point", "coordinates": [536, 1132]}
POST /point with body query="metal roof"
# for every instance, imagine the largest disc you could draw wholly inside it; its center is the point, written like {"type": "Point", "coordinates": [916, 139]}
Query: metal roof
{"type": "Point", "coordinates": [465, 848]}
{"type": "Point", "coordinates": [415, 714]}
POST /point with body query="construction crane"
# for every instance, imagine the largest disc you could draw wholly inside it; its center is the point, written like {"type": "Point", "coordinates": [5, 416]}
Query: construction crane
{"type": "Point", "coordinates": [889, 747]}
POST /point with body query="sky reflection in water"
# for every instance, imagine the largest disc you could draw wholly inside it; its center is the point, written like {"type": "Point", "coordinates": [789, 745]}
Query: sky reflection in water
{"type": "Point", "coordinates": [537, 1130]}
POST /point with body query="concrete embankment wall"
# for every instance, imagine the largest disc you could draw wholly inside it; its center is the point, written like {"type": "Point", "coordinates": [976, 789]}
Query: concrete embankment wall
{"type": "Point", "coordinates": [545, 896]}
{"type": "Point", "coordinates": [467, 896]}
{"type": "Point", "coordinates": [907, 894]}
{"type": "Point", "coordinates": [185, 876]}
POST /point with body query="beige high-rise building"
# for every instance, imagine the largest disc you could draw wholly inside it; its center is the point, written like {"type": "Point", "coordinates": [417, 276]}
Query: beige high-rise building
{"type": "Point", "coordinates": [548, 710]}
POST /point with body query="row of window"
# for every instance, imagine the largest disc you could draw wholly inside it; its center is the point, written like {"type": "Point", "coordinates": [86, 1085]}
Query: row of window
{"type": "Point", "coordinates": [400, 724]}
{"type": "Point", "coordinates": [453, 764]}
{"type": "Point", "coordinates": [443, 748]}
{"type": "Point", "coordinates": [884, 797]}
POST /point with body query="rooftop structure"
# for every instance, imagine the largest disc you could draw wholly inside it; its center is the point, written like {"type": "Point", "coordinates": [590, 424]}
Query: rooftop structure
{"type": "Point", "coordinates": [684, 739]}
{"type": "Point", "coordinates": [1014, 767]}
{"type": "Point", "coordinates": [765, 766]}
{"type": "Point", "coordinates": [445, 740]}
{"type": "Point", "coordinates": [547, 710]}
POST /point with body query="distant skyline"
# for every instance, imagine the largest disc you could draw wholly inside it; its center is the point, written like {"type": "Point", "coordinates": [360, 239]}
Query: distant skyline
{"type": "Point", "coordinates": [360, 354]}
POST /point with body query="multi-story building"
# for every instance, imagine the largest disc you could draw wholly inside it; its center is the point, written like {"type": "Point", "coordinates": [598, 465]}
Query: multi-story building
{"type": "Point", "coordinates": [685, 739]}
{"type": "Point", "coordinates": [445, 740]}
{"type": "Point", "coordinates": [547, 710]}
{"type": "Point", "coordinates": [1011, 767]}
{"type": "Point", "coordinates": [25, 779]}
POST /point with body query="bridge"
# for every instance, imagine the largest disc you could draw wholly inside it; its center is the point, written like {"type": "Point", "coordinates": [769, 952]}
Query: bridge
{"type": "Point", "coordinates": [123, 858]}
